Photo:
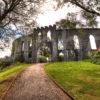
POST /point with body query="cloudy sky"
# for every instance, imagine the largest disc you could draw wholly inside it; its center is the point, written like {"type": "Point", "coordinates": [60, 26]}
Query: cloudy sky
{"type": "Point", "coordinates": [50, 16]}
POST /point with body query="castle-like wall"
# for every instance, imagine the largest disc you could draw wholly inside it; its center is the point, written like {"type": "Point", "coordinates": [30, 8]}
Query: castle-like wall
{"type": "Point", "coordinates": [25, 48]}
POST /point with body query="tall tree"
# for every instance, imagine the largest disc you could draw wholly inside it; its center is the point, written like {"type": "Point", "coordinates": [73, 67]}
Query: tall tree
{"type": "Point", "coordinates": [69, 22]}
{"type": "Point", "coordinates": [21, 14]}
{"type": "Point", "coordinates": [89, 9]}
{"type": "Point", "coordinates": [16, 10]}
{"type": "Point", "coordinates": [90, 6]}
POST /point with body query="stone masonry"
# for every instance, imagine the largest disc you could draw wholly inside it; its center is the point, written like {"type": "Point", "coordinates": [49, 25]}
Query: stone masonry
{"type": "Point", "coordinates": [25, 48]}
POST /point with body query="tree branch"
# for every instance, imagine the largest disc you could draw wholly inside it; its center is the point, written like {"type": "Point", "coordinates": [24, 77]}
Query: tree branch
{"type": "Point", "coordinates": [6, 4]}
{"type": "Point", "coordinates": [17, 13]}
{"type": "Point", "coordinates": [84, 8]}
{"type": "Point", "coordinates": [14, 3]}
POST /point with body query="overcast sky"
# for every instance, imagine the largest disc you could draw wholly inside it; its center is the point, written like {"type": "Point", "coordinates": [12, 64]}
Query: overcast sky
{"type": "Point", "coordinates": [50, 16]}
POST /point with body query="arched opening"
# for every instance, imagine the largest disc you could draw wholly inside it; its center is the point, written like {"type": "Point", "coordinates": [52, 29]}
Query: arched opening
{"type": "Point", "coordinates": [23, 45]}
{"type": "Point", "coordinates": [92, 42]}
{"type": "Point", "coordinates": [30, 44]}
{"type": "Point", "coordinates": [44, 47]}
{"type": "Point", "coordinates": [60, 50]}
{"type": "Point", "coordinates": [39, 37]}
{"type": "Point", "coordinates": [30, 48]}
{"type": "Point", "coordinates": [49, 35]}
{"type": "Point", "coordinates": [76, 47]}
{"type": "Point", "coordinates": [44, 52]}
{"type": "Point", "coordinates": [22, 51]}
{"type": "Point", "coordinates": [76, 42]}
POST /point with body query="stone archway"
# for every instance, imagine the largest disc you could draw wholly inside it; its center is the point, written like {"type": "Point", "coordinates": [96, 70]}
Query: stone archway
{"type": "Point", "coordinates": [92, 42]}
{"type": "Point", "coordinates": [40, 37]}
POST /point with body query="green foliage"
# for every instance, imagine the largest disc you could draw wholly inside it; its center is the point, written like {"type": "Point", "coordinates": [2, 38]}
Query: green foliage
{"type": "Point", "coordinates": [42, 58]}
{"type": "Point", "coordinates": [95, 56]}
{"type": "Point", "coordinates": [12, 70]}
{"type": "Point", "coordinates": [4, 62]}
{"type": "Point", "coordinates": [90, 19]}
{"type": "Point", "coordinates": [66, 24]}
{"type": "Point", "coordinates": [80, 79]}
{"type": "Point", "coordinates": [9, 72]}
{"type": "Point", "coordinates": [69, 22]}
{"type": "Point", "coordinates": [45, 50]}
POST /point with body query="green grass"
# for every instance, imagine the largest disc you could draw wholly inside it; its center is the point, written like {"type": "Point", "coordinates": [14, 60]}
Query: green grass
{"type": "Point", "coordinates": [12, 70]}
{"type": "Point", "coordinates": [9, 72]}
{"type": "Point", "coordinates": [80, 79]}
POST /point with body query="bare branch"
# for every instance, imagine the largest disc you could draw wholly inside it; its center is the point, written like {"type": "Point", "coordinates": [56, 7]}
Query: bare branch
{"type": "Point", "coordinates": [17, 13]}
{"type": "Point", "coordinates": [6, 23]}
{"type": "Point", "coordinates": [84, 8]}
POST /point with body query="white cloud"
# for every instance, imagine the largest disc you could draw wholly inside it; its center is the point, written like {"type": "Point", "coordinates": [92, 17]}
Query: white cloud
{"type": "Point", "coordinates": [50, 16]}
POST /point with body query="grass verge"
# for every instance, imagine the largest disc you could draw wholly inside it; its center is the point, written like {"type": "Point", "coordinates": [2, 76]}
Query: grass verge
{"type": "Point", "coordinates": [9, 73]}
{"type": "Point", "coordinates": [80, 79]}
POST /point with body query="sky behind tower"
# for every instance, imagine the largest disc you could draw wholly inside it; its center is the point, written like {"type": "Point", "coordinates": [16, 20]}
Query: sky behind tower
{"type": "Point", "coordinates": [49, 16]}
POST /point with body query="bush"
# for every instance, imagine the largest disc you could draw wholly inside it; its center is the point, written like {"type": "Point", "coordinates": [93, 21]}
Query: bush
{"type": "Point", "coordinates": [95, 56]}
{"type": "Point", "coordinates": [4, 62]}
{"type": "Point", "coordinates": [42, 58]}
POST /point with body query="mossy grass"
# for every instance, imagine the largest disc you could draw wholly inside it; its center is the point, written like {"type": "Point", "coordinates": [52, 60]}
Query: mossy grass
{"type": "Point", "coordinates": [12, 70]}
{"type": "Point", "coordinates": [80, 79]}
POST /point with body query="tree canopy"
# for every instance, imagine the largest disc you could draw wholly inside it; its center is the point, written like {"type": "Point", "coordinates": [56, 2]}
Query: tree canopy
{"type": "Point", "coordinates": [89, 10]}
{"type": "Point", "coordinates": [13, 11]}
{"type": "Point", "coordinates": [20, 14]}
{"type": "Point", "coordinates": [69, 22]}
{"type": "Point", "coordinates": [90, 6]}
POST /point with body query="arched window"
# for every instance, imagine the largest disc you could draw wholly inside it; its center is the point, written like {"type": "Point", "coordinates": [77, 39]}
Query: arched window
{"type": "Point", "coordinates": [30, 43]}
{"type": "Point", "coordinates": [60, 45]}
{"type": "Point", "coordinates": [92, 42]}
{"type": "Point", "coordinates": [39, 34]}
{"type": "Point", "coordinates": [49, 35]}
{"type": "Point", "coordinates": [76, 42]}
{"type": "Point", "coordinates": [23, 46]}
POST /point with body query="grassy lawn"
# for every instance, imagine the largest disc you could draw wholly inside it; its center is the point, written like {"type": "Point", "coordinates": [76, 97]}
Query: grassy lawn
{"type": "Point", "coordinates": [10, 72]}
{"type": "Point", "coordinates": [80, 79]}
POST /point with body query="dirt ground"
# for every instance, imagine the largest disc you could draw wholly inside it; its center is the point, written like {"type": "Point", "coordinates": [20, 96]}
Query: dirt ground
{"type": "Point", "coordinates": [34, 84]}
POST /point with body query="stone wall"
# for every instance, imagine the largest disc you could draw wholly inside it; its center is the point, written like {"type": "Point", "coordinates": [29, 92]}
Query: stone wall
{"type": "Point", "coordinates": [25, 48]}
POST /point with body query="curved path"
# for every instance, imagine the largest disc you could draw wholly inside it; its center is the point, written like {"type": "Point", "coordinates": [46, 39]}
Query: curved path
{"type": "Point", "coordinates": [34, 84]}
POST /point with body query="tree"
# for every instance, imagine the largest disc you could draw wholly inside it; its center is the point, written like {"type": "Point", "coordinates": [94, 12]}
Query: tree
{"type": "Point", "coordinates": [69, 22]}
{"type": "Point", "coordinates": [90, 6]}
{"type": "Point", "coordinates": [21, 14]}
{"type": "Point", "coordinates": [16, 10]}
{"type": "Point", "coordinates": [90, 9]}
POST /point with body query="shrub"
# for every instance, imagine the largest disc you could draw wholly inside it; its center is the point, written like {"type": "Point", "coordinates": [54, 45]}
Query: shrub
{"type": "Point", "coordinates": [95, 56]}
{"type": "Point", "coordinates": [42, 58]}
{"type": "Point", "coordinates": [4, 62]}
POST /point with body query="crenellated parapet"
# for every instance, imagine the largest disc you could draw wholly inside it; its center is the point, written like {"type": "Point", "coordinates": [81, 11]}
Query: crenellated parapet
{"type": "Point", "coordinates": [27, 47]}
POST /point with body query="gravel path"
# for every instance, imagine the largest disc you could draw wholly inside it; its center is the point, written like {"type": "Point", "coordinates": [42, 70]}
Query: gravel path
{"type": "Point", "coordinates": [34, 84]}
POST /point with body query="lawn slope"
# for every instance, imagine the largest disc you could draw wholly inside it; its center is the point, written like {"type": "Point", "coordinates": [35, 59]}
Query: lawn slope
{"type": "Point", "coordinates": [80, 79]}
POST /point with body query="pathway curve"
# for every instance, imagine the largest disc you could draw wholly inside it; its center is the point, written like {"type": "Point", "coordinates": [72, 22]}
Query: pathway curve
{"type": "Point", "coordinates": [34, 84]}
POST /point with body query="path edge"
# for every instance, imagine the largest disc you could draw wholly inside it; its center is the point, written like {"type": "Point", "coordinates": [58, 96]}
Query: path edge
{"type": "Point", "coordinates": [58, 85]}
{"type": "Point", "coordinates": [13, 81]}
